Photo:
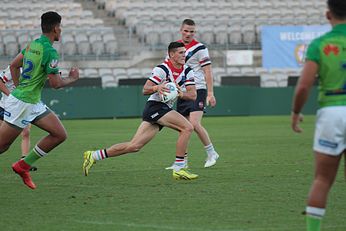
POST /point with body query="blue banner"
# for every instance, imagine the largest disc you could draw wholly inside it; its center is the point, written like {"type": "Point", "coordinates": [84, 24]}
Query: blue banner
{"type": "Point", "coordinates": [285, 46]}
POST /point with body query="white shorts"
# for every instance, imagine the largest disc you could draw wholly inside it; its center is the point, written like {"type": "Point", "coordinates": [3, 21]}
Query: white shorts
{"type": "Point", "coordinates": [330, 131]}
{"type": "Point", "coordinates": [20, 114]}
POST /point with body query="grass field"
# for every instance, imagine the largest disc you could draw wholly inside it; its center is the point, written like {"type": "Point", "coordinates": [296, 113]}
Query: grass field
{"type": "Point", "coordinates": [260, 182]}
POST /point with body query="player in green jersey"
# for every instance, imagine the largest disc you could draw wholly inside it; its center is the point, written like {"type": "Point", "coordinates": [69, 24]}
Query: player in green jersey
{"type": "Point", "coordinates": [326, 58]}
{"type": "Point", "coordinates": [39, 62]}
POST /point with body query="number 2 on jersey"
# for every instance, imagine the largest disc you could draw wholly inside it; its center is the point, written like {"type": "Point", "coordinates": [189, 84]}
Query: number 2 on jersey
{"type": "Point", "coordinates": [28, 66]}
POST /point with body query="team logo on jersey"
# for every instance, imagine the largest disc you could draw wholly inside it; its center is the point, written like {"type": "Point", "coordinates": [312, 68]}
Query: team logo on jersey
{"type": "Point", "coordinates": [330, 48]}
{"type": "Point", "coordinates": [54, 63]}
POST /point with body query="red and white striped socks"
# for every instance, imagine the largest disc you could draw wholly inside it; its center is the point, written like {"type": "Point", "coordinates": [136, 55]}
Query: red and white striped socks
{"type": "Point", "coordinates": [100, 154]}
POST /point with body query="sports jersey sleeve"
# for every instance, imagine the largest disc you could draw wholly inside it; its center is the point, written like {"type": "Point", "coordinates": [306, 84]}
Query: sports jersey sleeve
{"type": "Point", "coordinates": [51, 62]}
{"type": "Point", "coordinates": [203, 57]}
{"type": "Point", "coordinates": [2, 78]}
{"type": "Point", "coordinates": [190, 77]}
{"type": "Point", "coordinates": [313, 53]}
{"type": "Point", "coordinates": [157, 75]}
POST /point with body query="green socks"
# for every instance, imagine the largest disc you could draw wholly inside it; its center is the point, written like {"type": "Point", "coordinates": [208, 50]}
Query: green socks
{"type": "Point", "coordinates": [313, 218]}
{"type": "Point", "coordinates": [31, 157]}
{"type": "Point", "coordinates": [313, 223]}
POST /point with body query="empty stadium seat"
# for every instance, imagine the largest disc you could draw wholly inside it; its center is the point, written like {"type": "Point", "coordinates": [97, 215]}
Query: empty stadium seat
{"type": "Point", "coordinates": [235, 35]}
{"type": "Point", "coordinates": [69, 44]}
{"type": "Point", "coordinates": [133, 73]}
{"type": "Point", "coordinates": [248, 71]}
{"type": "Point", "coordinates": [2, 47]}
{"type": "Point", "coordinates": [83, 46]}
{"type": "Point", "coordinates": [103, 72]}
{"type": "Point", "coordinates": [282, 79]}
{"type": "Point", "coordinates": [11, 44]}
{"type": "Point", "coordinates": [96, 42]}
{"type": "Point", "coordinates": [91, 73]}
{"type": "Point", "coordinates": [233, 71]}
{"type": "Point", "coordinates": [23, 39]}
{"type": "Point", "coordinates": [166, 36]}
{"type": "Point", "coordinates": [207, 36]}
{"type": "Point", "coordinates": [111, 44]}
{"type": "Point", "coordinates": [146, 72]}
{"type": "Point", "coordinates": [221, 37]}
{"type": "Point", "coordinates": [260, 70]}
{"type": "Point", "coordinates": [109, 81]}
{"type": "Point", "coordinates": [218, 72]}
{"type": "Point", "coordinates": [152, 37]}
{"type": "Point", "coordinates": [119, 73]}
{"type": "Point", "coordinates": [249, 34]}
{"type": "Point", "coordinates": [269, 80]}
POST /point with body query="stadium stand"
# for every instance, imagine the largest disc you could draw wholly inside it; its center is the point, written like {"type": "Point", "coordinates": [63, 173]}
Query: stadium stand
{"type": "Point", "coordinates": [98, 33]}
{"type": "Point", "coordinates": [243, 18]}
{"type": "Point", "coordinates": [16, 27]}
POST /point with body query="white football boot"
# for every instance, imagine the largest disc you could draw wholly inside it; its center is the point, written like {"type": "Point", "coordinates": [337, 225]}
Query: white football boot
{"type": "Point", "coordinates": [211, 160]}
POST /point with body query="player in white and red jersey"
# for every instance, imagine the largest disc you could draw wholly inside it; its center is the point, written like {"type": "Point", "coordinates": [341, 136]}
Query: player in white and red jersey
{"type": "Point", "coordinates": [197, 57]}
{"type": "Point", "coordinates": [6, 86]}
{"type": "Point", "coordinates": [183, 77]}
{"type": "Point", "coordinates": [158, 114]}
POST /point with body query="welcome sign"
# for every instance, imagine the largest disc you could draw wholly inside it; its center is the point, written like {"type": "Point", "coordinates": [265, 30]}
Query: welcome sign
{"type": "Point", "coordinates": [285, 46]}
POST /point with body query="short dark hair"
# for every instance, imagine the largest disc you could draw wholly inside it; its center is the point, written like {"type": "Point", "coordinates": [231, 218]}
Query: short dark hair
{"type": "Point", "coordinates": [49, 20]}
{"type": "Point", "coordinates": [188, 22]}
{"type": "Point", "coordinates": [337, 8]}
{"type": "Point", "coordinates": [173, 46]}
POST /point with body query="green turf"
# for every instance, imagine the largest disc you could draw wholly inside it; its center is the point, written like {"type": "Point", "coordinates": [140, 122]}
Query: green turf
{"type": "Point", "coordinates": [260, 182]}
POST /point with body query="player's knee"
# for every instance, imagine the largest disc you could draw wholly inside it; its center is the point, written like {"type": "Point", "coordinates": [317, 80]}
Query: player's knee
{"type": "Point", "coordinates": [4, 148]}
{"type": "Point", "coordinates": [196, 125]}
{"type": "Point", "coordinates": [188, 128]}
{"type": "Point", "coordinates": [61, 136]}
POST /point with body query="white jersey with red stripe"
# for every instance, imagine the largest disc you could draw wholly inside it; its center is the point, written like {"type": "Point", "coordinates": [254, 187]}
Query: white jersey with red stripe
{"type": "Point", "coordinates": [167, 72]}
{"type": "Point", "coordinates": [196, 57]}
{"type": "Point", "coordinates": [6, 78]}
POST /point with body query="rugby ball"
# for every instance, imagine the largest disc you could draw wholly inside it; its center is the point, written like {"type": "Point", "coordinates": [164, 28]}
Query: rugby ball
{"type": "Point", "coordinates": [171, 95]}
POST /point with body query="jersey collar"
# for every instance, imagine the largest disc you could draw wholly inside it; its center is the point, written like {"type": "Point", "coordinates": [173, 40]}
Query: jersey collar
{"type": "Point", "coordinates": [175, 71]}
{"type": "Point", "coordinates": [191, 44]}
{"type": "Point", "coordinates": [340, 27]}
{"type": "Point", "coordinates": [45, 39]}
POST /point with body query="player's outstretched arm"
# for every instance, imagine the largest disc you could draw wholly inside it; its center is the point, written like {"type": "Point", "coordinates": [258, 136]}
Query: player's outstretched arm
{"type": "Point", "coordinates": [56, 81]}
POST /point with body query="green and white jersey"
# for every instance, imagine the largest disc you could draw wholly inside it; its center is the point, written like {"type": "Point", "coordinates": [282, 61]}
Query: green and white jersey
{"type": "Point", "coordinates": [40, 59]}
{"type": "Point", "coordinates": [329, 52]}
